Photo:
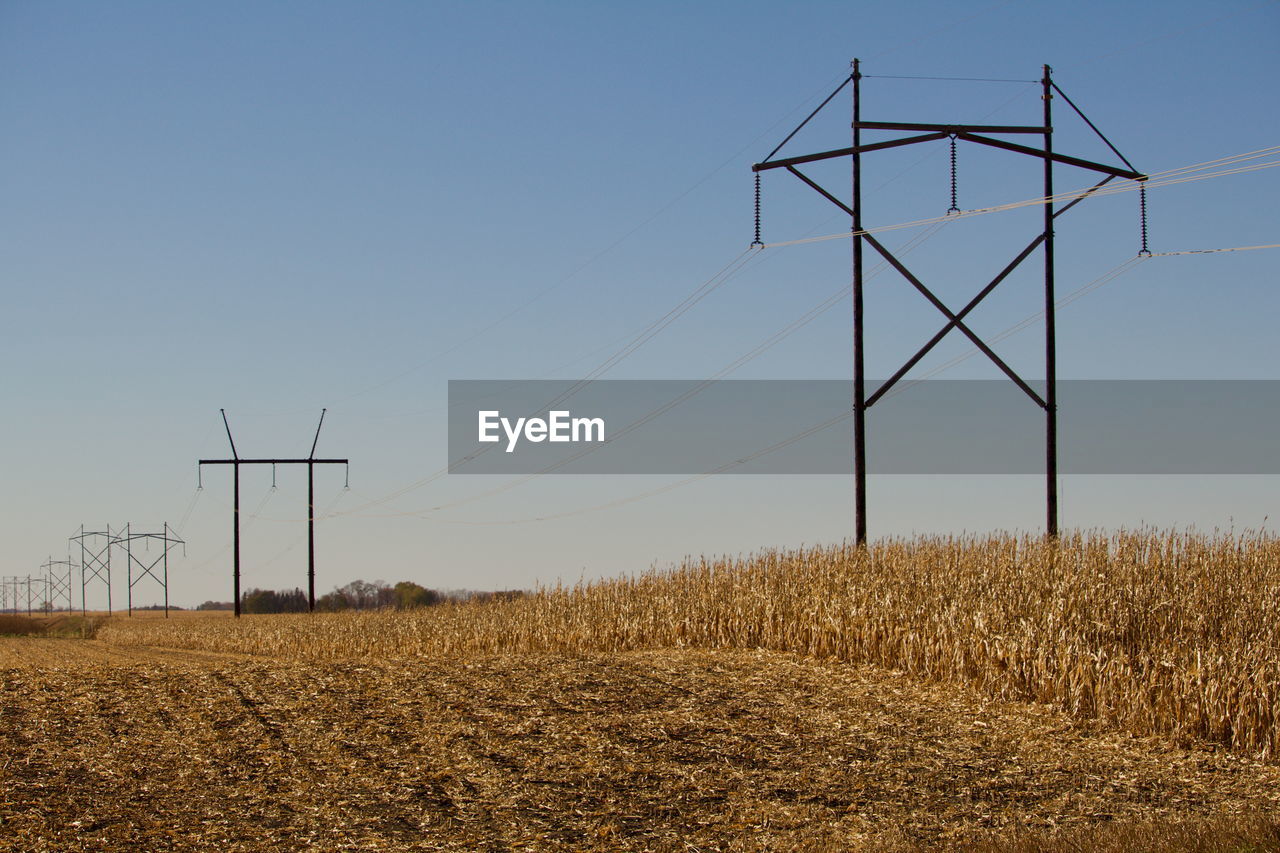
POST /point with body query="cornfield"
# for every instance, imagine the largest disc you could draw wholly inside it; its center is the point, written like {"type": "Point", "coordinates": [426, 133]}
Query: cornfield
{"type": "Point", "coordinates": [1157, 632]}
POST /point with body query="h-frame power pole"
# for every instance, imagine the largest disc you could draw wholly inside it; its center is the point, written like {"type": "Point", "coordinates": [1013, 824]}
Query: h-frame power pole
{"type": "Point", "coordinates": [987, 135]}
{"type": "Point", "coordinates": [310, 461]}
{"type": "Point", "coordinates": [14, 590]}
{"type": "Point", "coordinates": [11, 594]}
{"type": "Point", "coordinates": [58, 582]}
{"type": "Point", "coordinates": [95, 561]}
{"type": "Point", "coordinates": [167, 541]}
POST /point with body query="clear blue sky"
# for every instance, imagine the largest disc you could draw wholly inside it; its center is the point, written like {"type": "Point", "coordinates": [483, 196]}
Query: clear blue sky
{"type": "Point", "coordinates": [276, 207]}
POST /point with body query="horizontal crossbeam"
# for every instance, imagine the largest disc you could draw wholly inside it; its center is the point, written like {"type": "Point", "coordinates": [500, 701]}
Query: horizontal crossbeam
{"type": "Point", "coordinates": [961, 132]}
{"type": "Point", "coordinates": [275, 461]}
{"type": "Point", "coordinates": [787, 162]}
{"type": "Point", "coordinates": [132, 537]}
{"type": "Point", "coordinates": [948, 129]}
{"type": "Point", "coordinates": [1057, 158]}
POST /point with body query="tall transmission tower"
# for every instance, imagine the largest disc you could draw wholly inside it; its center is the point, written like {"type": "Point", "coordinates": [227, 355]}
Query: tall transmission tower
{"type": "Point", "coordinates": [11, 593]}
{"type": "Point", "coordinates": [19, 593]}
{"type": "Point", "coordinates": [95, 561]}
{"type": "Point", "coordinates": [979, 134]}
{"type": "Point", "coordinates": [167, 541]}
{"type": "Point", "coordinates": [310, 461]}
{"type": "Point", "coordinates": [34, 584]}
{"type": "Point", "coordinates": [58, 583]}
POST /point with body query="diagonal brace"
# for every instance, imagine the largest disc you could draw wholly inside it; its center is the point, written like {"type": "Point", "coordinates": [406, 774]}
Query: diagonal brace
{"type": "Point", "coordinates": [951, 324]}
{"type": "Point", "coordinates": [924, 350]}
{"type": "Point", "coordinates": [828, 196]}
{"type": "Point", "coordinates": [147, 570]}
{"type": "Point", "coordinates": [956, 321]}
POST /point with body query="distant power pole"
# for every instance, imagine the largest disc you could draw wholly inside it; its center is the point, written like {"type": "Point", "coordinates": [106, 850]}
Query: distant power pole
{"type": "Point", "coordinates": [11, 593]}
{"type": "Point", "coordinates": [17, 593]}
{"type": "Point", "coordinates": [31, 592]}
{"type": "Point", "coordinates": [310, 461]}
{"type": "Point", "coordinates": [58, 583]}
{"type": "Point", "coordinates": [95, 561]}
{"type": "Point", "coordinates": [167, 542]}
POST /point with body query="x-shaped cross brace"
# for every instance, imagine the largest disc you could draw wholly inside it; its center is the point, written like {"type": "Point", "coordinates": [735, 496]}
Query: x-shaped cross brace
{"type": "Point", "coordinates": [955, 320]}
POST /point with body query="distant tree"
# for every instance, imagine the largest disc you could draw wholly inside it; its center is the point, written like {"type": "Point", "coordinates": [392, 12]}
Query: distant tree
{"type": "Point", "coordinates": [332, 602]}
{"type": "Point", "coordinates": [357, 595]}
{"type": "Point", "coordinates": [409, 595]}
{"type": "Point", "coordinates": [270, 601]}
{"type": "Point", "coordinates": [360, 594]}
{"type": "Point", "coordinates": [216, 605]}
{"type": "Point", "coordinates": [369, 595]}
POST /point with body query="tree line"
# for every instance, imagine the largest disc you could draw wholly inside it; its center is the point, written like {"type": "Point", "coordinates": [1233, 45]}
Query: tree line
{"type": "Point", "coordinates": [357, 595]}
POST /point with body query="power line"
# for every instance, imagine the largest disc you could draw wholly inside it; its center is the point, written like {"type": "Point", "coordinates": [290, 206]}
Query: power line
{"type": "Point", "coordinates": [951, 79]}
{"type": "Point", "coordinates": [1174, 176]}
{"type": "Point", "coordinates": [587, 263]}
{"type": "Point", "coordinates": [724, 275]}
{"type": "Point", "coordinates": [828, 303]}
{"type": "Point", "coordinates": [1215, 251]}
{"type": "Point", "coordinates": [1106, 277]}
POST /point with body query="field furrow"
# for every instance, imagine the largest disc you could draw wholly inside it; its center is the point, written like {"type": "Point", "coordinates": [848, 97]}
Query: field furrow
{"type": "Point", "coordinates": [718, 750]}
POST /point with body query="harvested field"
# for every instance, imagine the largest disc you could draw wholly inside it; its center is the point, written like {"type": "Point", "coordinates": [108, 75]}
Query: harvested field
{"type": "Point", "coordinates": [104, 747]}
{"type": "Point", "coordinates": [1155, 632]}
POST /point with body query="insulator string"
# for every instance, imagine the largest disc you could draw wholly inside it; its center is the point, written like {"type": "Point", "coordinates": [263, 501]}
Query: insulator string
{"type": "Point", "coordinates": [1142, 207]}
{"type": "Point", "coordinates": [954, 208]}
{"type": "Point", "coordinates": [757, 241]}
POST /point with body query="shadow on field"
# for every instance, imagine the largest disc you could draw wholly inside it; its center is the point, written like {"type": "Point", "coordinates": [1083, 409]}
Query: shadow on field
{"type": "Point", "coordinates": [62, 625]}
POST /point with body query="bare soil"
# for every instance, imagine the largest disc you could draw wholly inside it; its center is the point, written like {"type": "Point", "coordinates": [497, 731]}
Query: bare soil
{"type": "Point", "coordinates": [135, 748]}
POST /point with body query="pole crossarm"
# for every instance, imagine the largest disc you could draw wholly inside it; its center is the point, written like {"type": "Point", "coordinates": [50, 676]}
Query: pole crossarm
{"type": "Point", "coordinates": [787, 162]}
{"type": "Point", "coordinates": [949, 129]}
{"type": "Point", "coordinates": [942, 131]}
{"type": "Point", "coordinates": [1041, 154]}
{"type": "Point", "coordinates": [133, 537]}
{"type": "Point", "coordinates": [303, 461]}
